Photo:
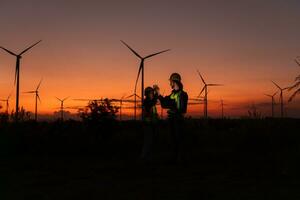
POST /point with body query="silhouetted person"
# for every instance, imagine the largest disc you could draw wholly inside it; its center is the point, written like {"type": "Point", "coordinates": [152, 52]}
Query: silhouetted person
{"type": "Point", "coordinates": [150, 123]}
{"type": "Point", "coordinates": [176, 103]}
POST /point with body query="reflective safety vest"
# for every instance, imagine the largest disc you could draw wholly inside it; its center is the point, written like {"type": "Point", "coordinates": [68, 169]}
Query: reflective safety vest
{"type": "Point", "coordinates": [176, 97]}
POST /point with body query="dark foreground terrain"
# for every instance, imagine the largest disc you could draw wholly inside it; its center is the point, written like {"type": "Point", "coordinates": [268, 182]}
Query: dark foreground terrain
{"type": "Point", "coordinates": [225, 159]}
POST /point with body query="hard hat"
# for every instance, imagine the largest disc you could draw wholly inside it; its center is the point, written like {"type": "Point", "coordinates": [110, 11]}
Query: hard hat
{"type": "Point", "coordinates": [175, 77]}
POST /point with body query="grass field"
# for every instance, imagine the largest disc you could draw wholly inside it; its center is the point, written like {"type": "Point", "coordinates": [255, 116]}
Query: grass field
{"type": "Point", "coordinates": [225, 159]}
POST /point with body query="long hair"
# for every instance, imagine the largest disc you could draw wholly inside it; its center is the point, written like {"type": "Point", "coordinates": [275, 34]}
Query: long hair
{"type": "Point", "coordinates": [180, 85]}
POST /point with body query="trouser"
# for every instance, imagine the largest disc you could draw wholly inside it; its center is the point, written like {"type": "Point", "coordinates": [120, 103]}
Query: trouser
{"type": "Point", "coordinates": [150, 132]}
{"type": "Point", "coordinates": [176, 124]}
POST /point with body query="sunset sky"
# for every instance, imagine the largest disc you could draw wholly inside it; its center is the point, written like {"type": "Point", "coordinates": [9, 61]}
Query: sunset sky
{"type": "Point", "coordinates": [242, 44]}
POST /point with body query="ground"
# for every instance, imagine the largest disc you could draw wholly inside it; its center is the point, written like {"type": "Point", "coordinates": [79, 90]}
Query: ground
{"type": "Point", "coordinates": [220, 165]}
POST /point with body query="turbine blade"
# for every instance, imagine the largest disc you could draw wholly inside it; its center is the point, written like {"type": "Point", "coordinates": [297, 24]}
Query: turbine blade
{"type": "Point", "coordinates": [215, 85]}
{"type": "Point", "coordinates": [128, 101]}
{"type": "Point", "coordinates": [201, 77]}
{"type": "Point", "coordinates": [297, 62]}
{"type": "Point", "coordinates": [30, 92]}
{"type": "Point", "coordinates": [123, 97]}
{"type": "Point", "coordinates": [58, 99]}
{"type": "Point", "coordinates": [268, 95]}
{"type": "Point", "coordinates": [130, 96]}
{"type": "Point", "coordinates": [8, 51]}
{"type": "Point", "coordinates": [65, 98]}
{"type": "Point", "coordinates": [114, 100]}
{"type": "Point", "coordinates": [29, 47]}
{"type": "Point", "coordinates": [294, 94]}
{"type": "Point", "coordinates": [133, 51]}
{"type": "Point", "coordinates": [151, 55]}
{"type": "Point", "coordinates": [38, 96]}
{"type": "Point", "coordinates": [137, 96]}
{"type": "Point", "coordinates": [201, 91]}
{"type": "Point", "coordinates": [137, 79]}
{"type": "Point", "coordinates": [37, 88]}
{"type": "Point", "coordinates": [274, 94]}
{"type": "Point", "coordinates": [276, 85]}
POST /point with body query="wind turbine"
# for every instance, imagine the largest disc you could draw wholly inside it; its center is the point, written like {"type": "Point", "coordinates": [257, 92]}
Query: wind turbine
{"type": "Point", "coordinates": [222, 107]}
{"type": "Point", "coordinates": [17, 72]}
{"type": "Point", "coordinates": [37, 97]}
{"type": "Point", "coordinates": [135, 102]}
{"type": "Point", "coordinates": [205, 90]}
{"type": "Point", "coordinates": [281, 97]}
{"type": "Point", "coordinates": [121, 103]}
{"type": "Point", "coordinates": [141, 71]}
{"type": "Point", "coordinates": [62, 107]}
{"type": "Point", "coordinates": [273, 102]}
{"type": "Point", "coordinates": [6, 102]}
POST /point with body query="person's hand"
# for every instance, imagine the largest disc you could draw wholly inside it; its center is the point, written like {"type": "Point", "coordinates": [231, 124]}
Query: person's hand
{"type": "Point", "coordinates": [156, 89]}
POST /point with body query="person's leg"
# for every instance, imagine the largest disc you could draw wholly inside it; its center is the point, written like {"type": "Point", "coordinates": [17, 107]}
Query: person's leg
{"type": "Point", "coordinates": [180, 139]}
{"type": "Point", "coordinates": [148, 141]}
{"type": "Point", "coordinates": [177, 132]}
{"type": "Point", "coordinates": [174, 136]}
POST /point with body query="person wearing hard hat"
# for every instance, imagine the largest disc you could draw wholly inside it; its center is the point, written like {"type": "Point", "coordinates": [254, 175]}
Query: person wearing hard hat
{"type": "Point", "coordinates": [176, 103]}
{"type": "Point", "coordinates": [150, 123]}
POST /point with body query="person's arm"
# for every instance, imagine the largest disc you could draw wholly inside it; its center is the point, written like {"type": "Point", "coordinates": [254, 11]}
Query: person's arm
{"type": "Point", "coordinates": [166, 102]}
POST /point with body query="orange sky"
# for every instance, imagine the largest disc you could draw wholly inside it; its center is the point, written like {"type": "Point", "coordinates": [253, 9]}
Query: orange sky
{"type": "Point", "coordinates": [241, 46]}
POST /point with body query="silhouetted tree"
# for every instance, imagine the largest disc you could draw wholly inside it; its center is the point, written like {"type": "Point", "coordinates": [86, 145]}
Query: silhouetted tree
{"type": "Point", "coordinates": [99, 118]}
{"type": "Point", "coordinates": [4, 117]}
{"type": "Point", "coordinates": [99, 112]}
{"type": "Point", "coordinates": [22, 116]}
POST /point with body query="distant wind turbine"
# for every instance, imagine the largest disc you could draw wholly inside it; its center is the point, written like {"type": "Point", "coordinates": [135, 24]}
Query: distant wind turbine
{"type": "Point", "coordinates": [205, 90]}
{"type": "Point", "coordinates": [17, 72]}
{"type": "Point", "coordinates": [62, 107]}
{"type": "Point", "coordinates": [222, 108]}
{"type": "Point", "coordinates": [6, 102]}
{"type": "Point", "coordinates": [281, 97]}
{"type": "Point", "coordinates": [272, 101]}
{"type": "Point", "coordinates": [141, 71]}
{"type": "Point", "coordinates": [121, 104]}
{"type": "Point", "coordinates": [37, 97]}
{"type": "Point", "coordinates": [135, 102]}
